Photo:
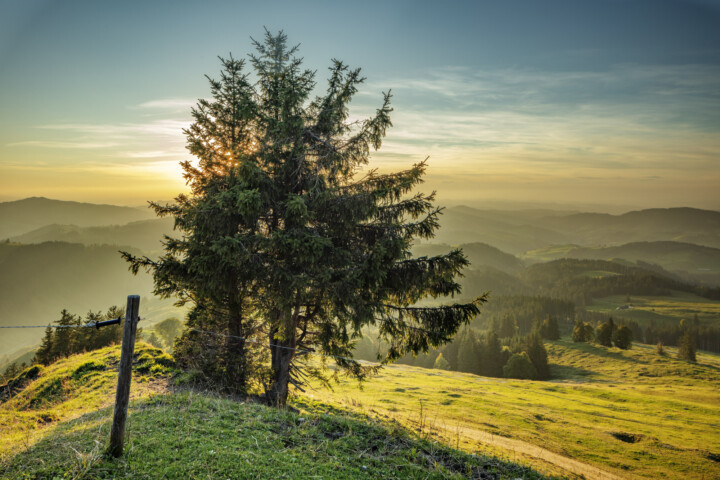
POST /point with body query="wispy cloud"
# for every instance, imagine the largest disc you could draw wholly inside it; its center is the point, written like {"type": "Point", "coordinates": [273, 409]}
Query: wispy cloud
{"type": "Point", "coordinates": [169, 104]}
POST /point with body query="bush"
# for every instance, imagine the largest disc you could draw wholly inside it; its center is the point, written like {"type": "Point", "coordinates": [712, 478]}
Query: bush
{"type": "Point", "coordinates": [520, 366]}
{"type": "Point", "coordinates": [623, 337]}
{"type": "Point", "coordinates": [604, 334]}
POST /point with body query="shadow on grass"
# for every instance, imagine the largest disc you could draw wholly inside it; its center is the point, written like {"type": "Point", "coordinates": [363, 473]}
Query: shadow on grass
{"type": "Point", "coordinates": [194, 435]}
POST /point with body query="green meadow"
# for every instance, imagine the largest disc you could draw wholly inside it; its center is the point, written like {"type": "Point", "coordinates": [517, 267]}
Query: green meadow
{"type": "Point", "coordinates": [668, 309]}
{"type": "Point", "coordinates": [607, 413]}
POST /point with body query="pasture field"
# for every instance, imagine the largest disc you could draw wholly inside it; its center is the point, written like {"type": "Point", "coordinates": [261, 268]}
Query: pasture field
{"type": "Point", "coordinates": [607, 413]}
{"type": "Point", "coordinates": [669, 309]}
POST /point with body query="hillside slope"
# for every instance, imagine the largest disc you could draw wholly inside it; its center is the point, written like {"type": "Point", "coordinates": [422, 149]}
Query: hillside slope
{"type": "Point", "coordinates": [194, 435]}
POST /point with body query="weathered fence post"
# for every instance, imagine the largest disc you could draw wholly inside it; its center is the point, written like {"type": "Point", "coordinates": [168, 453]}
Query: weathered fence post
{"type": "Point", "coordinates": [122, 396]}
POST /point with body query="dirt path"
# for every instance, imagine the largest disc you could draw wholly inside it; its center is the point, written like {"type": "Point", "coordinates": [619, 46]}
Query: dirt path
{"type": "Point", "coordinates": [528, 449]}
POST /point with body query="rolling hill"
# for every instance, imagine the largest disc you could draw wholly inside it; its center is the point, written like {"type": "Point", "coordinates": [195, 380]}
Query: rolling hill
{"type": "Point", "coordinates": [692, 261]}
{"type": "Point", "coordinates": [56, 426]}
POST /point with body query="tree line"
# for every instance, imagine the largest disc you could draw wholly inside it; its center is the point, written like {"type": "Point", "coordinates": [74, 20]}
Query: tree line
{"type": "Point", "coordinates": [488, 354]}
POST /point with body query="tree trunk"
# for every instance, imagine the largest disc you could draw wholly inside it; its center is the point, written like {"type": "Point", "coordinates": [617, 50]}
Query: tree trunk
{"type": "Point", "coordinates": [236, 355]}
{"type": "Point", "coordinates": [282, 353]}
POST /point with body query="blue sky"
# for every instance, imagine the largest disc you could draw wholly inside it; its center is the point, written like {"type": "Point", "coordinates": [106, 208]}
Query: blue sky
{"type": "Point", "coordinates": [603, 102]}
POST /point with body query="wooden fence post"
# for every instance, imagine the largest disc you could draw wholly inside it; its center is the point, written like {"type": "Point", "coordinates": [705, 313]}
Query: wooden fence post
{"type": "Point", "coordinates": [122, 396]}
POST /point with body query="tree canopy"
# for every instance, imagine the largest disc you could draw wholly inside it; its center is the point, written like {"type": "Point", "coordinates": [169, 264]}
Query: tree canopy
{"type": "Point", "coordinates": [284, 246]}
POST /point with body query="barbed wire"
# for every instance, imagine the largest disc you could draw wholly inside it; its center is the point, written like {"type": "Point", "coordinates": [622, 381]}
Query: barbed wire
{"type": "Point", "coordinates": [96, 324]}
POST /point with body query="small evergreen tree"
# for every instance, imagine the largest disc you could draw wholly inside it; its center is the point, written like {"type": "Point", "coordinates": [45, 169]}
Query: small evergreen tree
{"type": "Point", "coordinates": [537, 353]}
{"type": "Point", "coordinates": [492, 359]}
{"type": "Point", "coordinates": [660, 349]}
{"type": "Point", "coordinates": [519, 366]}
{"type": "Point", "coordinates": [468, 353]}
{"type": "Point", "coordinates": [604, 333]}
{"type": "Point", "coordinates": [686, 347]}
{"type": "Point", "coordinates": [43, 354]}
{"type": "Point", "coordinates": [550, 328]}
{"type": "Point", "coordinates": [154, 340]}
{"type": "Point", "coordinates": [578, 333]}
{"type": "Point", "coordinates": [623, 337]}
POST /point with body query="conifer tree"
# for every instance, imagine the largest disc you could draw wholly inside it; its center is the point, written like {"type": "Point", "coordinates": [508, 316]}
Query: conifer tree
{"type": "Point", "coordinates": [492, 360]}
{"type": "Point", "coordinates": [686, 347]}
{"type": "Point", "coordinates": [604, 333]}
{"type": "Point", "coordinates": [43, 354]}
{"type": "Point", "coordinates": [520, 366]}
{"type": "Point", "coordinates": [550, 329]}
{"type": "Point", "coordinates": [281, 240]}
{"type": "Point", "coordinates": [441, 363]}
{"type": "Point", "coordinates": [468, 355]}
{"type": "Point", "coordinates": [623, 337]}
{"type": "Point", "coordinates": [537, 353]}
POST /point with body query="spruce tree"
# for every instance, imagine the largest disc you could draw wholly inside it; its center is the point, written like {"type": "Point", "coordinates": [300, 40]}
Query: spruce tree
{"type": "Point", "coordinates": [623, 337]}
{"type": "Point", "coordinates": [43, 354]}
{"type": "Point", "coordinates": [550, 329]}
{"type": "Point", "coordinates": [686, 347]}
{"type": "Point", "coordinates": [519, 366]}
{"type": "Point", "coordinates": [535, 349]}
{"type": "Point", "coordinates": [604, 333]}
{"type": "Point", "coordinates": [281, 240]}
{"type": "Point", "coordinates": [468, 355]}
{"type": "Point", "coordinates": [492, 359]}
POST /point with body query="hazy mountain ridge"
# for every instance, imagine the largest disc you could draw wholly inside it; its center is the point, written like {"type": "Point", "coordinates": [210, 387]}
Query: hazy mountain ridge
{"type": "Point", "coordinates": [22, 216]}
{"type": "Point", "coordinates": [145, 235]}
{"type": "Point", "coordinates": [691, 261]}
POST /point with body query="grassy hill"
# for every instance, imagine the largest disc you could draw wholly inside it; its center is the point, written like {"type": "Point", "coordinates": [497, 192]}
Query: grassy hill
{"type": "Point", "coordinates": [22, 216]}
{"type": "Point", "coordinates": [607, 413]}
{"type": "Point", "coordinates": [58, 424]}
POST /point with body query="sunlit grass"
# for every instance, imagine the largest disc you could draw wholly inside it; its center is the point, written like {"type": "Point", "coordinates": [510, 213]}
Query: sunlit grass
{"type": "Point", "coordinates": [670, 406]}
{"type": "Point", "coordinates": [194, 435]}
{"type": "Point", "coordinates": [662, 309]}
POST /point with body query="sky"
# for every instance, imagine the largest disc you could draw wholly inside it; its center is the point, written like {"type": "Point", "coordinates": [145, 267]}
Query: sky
{"type": "Point", "coordinates": [595, 104]}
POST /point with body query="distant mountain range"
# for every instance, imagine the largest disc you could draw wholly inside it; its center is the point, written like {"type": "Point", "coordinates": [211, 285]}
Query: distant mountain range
{"type": "Point", "coordinates": [520, 231]}
{"type": "Point", "coordinates": [66, 255]}
{"type": "Point", "coordinates": [22, 216]}
{"type": "Point", "coordinates": [145, 235]}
